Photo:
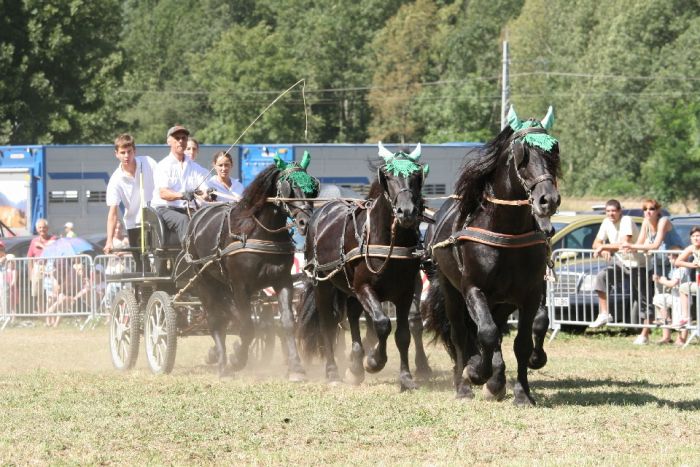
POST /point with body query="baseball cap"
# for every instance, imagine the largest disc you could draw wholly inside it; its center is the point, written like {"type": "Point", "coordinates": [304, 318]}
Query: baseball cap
{"type": "Point", "coordinates": [176, 129]}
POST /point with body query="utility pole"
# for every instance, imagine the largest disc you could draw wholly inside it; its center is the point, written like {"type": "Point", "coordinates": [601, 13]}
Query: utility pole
{"type": "Point", "coordinates": [505, 86]}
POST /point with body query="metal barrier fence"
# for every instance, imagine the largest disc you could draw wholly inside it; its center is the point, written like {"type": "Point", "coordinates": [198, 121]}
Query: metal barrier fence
{"type": "Point", "coordinates": [48, 287]}
{"type": "Point", "coordinates": [76, 286]}
{"type": "Point", "coordinates": [634, 299]}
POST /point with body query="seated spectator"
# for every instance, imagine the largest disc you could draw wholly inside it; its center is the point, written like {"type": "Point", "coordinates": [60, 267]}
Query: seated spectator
{"type": "Point", "coordinates": [688, 288]}
{"type": "Point", "coordinates": [74, 286]}
{"type": "Point", "coordinates": [668, 302]}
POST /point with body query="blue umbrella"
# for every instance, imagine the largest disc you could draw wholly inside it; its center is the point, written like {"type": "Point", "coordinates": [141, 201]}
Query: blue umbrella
{"type": "Point", "coordinates": [67, 247]}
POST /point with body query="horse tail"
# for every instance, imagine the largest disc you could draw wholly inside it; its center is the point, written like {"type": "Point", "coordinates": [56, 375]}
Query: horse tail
{"type": "Point", "coordinates": [435, 316]}
{"type": "Point", "coordinates": [309, 323]}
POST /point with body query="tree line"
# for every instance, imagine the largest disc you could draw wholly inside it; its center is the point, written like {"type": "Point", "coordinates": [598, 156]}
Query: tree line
{"type": "Point", "coordinates": [622, 76]}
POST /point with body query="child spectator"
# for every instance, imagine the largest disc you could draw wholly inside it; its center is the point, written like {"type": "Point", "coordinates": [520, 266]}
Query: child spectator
{"type": "Point", "coordinates": [670, 299]}
{"type": "Point", "coordinates": [689, 287]}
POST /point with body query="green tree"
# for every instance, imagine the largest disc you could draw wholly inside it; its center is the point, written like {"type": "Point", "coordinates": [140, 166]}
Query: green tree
{"type": "Point", "coordinates": [61, 66]}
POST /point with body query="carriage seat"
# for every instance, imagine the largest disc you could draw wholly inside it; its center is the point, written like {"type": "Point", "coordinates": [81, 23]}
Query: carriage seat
{"type": "Point", "coordinates": [158, 236]}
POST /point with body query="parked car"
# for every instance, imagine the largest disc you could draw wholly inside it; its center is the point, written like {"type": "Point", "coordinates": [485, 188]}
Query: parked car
{"type": "Point", "coordinates": [572, 295]}
{"type": "Point", "coordinates": [683, 223]}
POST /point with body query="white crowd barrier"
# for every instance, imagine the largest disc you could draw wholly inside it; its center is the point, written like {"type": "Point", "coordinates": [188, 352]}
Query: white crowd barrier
{"type": "Point", "coordinates": [634, 299]}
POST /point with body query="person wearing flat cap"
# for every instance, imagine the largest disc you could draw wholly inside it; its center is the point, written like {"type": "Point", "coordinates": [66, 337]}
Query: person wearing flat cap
{"type": "Point", "coordinates": [178, 182]}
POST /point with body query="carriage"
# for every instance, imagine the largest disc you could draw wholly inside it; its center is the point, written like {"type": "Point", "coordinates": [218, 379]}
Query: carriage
{"type": "Point", "coordinates": [214, 285]}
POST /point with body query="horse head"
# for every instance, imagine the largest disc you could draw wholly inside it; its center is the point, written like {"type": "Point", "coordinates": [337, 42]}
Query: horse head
{"type": "Point", "coordinates": [535, 158]}
{"type": "Point", "coordinates": [295, 183]}
{"type": "Point", "coordinates": [401, 177]}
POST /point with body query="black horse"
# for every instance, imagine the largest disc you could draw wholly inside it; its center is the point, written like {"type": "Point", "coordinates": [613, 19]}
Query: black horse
{"type": "Point", "coordinates": [490, 248]}
{"type": "Point", "coordinates": [246, 247]}
{"type": "Point", "coordinates": [359, 255]}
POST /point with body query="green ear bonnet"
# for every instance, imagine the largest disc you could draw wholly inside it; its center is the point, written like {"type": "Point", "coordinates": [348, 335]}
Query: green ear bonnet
{"type": "Point", "coordinates": [401, 164]}
{"type": "Point", "coordinates": [541, 140]}
{"type": "Point", "coordinates": [296, 173]}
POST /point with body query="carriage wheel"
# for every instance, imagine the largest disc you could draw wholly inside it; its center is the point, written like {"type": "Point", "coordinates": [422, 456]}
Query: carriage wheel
{"type": "Point", "coordinates": [263, 346]}
{"type": "Point", "coordinates": [124, 330]}
{"type": "Point", "coordinates": [160, 333]}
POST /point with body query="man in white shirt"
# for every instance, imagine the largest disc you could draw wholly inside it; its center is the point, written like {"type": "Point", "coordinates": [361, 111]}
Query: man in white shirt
{"type": "Point", "coordinates": [177, 180]}
{"type": "Point", "coordinates": [615, 230]}
{"type": "Point", "coordinates": [132, 179]}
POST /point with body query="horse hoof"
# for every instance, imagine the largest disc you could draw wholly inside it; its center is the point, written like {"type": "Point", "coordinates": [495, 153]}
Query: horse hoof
{"type": "Point", "coordinates": [537, 360]}
{"type": "Point", "coordinates": [297, 377]}
{"type": "Point", "coordinates": [493, 396]}
{"type": "Point", "coordinates": [407, 384]}
{"type": "Point", "coordinates": [372, 365]}
{"type": "Point", "coordinates": [464, 392]}
{"type": "Point", "coordinates": [354, 378]}
{"type": "Point", "coordinates": [236, 363]}
{"type": "Point", "coordinates": [424, 372]}
{"type": "Point", "coordinates": [212, 356]}
{"type": "Point", "coordinates": [524, 401]}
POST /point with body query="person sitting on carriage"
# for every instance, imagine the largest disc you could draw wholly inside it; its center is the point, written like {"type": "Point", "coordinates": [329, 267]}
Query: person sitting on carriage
{"type": "Point", "coordinates": [132, 179]}
{"type": "Point", "coordinates": [179, 181]}
{"type": "Point", "coordinates": [225, 188]}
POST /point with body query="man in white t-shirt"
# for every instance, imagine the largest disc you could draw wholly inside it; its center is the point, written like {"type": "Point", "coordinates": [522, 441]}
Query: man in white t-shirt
{"type": "Point", "coordinates": [132, 179]}
{"type": "Point", "coordinates": [615, 230]}
{"type": "Point", "coordinates": [178, 181]}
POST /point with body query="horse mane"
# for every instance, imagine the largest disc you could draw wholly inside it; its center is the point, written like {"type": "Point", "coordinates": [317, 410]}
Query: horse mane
{"type": "Point", "coordinates": [475, 174]}
{"type": "Point", "coordinates": [253, 200]}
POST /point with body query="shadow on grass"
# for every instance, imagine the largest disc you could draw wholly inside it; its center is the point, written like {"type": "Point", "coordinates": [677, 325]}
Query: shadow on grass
{"type": "Point", "coordinates": [572, 391]}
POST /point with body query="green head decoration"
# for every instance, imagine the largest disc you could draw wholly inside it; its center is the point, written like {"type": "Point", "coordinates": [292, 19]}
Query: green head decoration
{"type": "Point", "coordinates": [400, 163]}
{"type": "Point", "coordinates": [541, 140]}
{"type": "Point", "coordinates": [296, 173]}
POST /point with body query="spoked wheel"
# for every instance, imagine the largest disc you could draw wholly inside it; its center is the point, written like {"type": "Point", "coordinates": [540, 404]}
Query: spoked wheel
{"type": "Point", "coordinates": [160, 333]}
{"type": "Point", "coordinates": [263, 346]}
{"type": "Point", "coordinates": [124, 330]}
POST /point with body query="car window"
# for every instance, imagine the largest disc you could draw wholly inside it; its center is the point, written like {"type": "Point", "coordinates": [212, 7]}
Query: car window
{"type": "Point", "coordinates": [581, 237]}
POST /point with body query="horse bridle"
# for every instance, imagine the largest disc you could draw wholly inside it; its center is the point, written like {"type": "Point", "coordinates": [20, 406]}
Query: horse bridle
{"type": "Point", "coordinates": [516, 156]}
{"type": "Point", "coordinates": [291, 209]}
{"type": "Point", "coordinates": [392, 202]}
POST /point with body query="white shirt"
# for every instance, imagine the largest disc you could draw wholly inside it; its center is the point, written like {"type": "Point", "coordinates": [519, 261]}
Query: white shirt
{"type": "Point", "coordinates": [178, 176]}
{"type": "Point", "coordinates": [123, 188]}
{"type": "Point", "coordinates": [236, 187]}
{"type": "Point", "coordinates": [616, 233]}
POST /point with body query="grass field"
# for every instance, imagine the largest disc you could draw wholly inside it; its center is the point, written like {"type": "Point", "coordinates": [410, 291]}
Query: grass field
{"type": "Point", "coordinates": [601, 401]}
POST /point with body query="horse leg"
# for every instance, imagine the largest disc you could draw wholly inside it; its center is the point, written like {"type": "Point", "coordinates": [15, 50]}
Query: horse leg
{"type": "Point", "coordinates": [355, 374]}
{"type": "Point", "coordinates": [538, 358]}
{"type": "Point", "coordinates": [324, 303]}
{"type": "Point", "coordinates": [479, 370]}
{"type": "Point", "coordinates": [284, 298]}
{"type": "Point", "coordinates": [402, 337]}
{"type": "Point", "coordinates": [495, 387]}
{"type": "Point", "coordinates": [377, 357]}
{"type": "Point", "coordinates": [415, 325]}
{"type": "Point", "coordinates": [217, 321]}
{"type": "Point", "coordinates": [523, 349]}
{"type": "Point", "coordinates": [456, 313]}
{"type": "Point", "coordinates": [246, 331]}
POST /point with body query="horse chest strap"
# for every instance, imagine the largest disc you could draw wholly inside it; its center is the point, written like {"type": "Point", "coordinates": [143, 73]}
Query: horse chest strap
{"type": "Point", "coordinates": [500, 240]}
{"type": "Point", "coordinates": [382, 251]}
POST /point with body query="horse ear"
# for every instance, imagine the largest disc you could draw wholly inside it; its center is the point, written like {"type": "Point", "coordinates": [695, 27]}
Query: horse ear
{"type": "Point", "coordinates": [279, 162]}
{"type": "Point", "coordinates": [426, 170]}
{"type": "Point", "coordinates": [415, 154]}
{"type": "Point", "coordinates": [548, 120]}
{"type": "Point", "coordinates": [384, 152]}
{"type": "Point", "coordinates": [513, 120]}
{"type": "Point", "coordinates": [305, 160]}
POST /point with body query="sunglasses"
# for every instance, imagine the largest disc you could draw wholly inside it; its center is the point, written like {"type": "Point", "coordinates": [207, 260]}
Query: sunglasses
{"type": "Point", "coordinates": [649, 209]}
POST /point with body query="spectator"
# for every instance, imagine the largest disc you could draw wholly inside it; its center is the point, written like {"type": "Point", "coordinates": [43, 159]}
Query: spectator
{"type": "Point", "coordinates": [657, 233]}
{"type": "Point", "coordinates": [132, 178]}
{"type": "Point", "coordinates": [192, 150]}
{"type": "Point", "coordinates": [68, 230]}
{"type": "Point", "coordinates": [615, 230]}
{"type": "Point", "coordinates": [178, 181]}
{"type": "Point", "coordinates": [689, 287]}
{"type": "Point", "coordinates": [670, 298]}
{"type": "Point", "coordinates": [230, 188]}
{"type": "Point", "coordinates": [74, 285]}
{"type": "Point", "coordinates": [36, 248]}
